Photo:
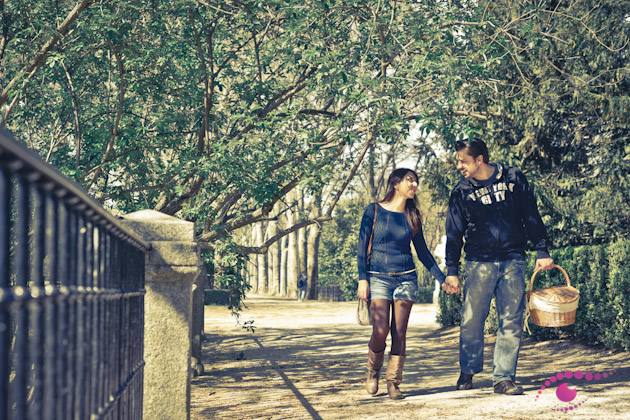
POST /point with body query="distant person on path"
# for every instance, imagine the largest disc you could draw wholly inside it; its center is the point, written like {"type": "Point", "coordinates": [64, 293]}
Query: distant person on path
{"type": "Point", "coordinates": [390, 274]}
{"type": "Point", "coordinates": [301, 284]}
{"type": "Point", "coordinates": [493, 208]}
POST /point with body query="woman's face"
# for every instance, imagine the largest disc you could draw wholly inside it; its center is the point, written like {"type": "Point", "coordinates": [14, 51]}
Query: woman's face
{"type": "Point", "coordinates": [408, 186]}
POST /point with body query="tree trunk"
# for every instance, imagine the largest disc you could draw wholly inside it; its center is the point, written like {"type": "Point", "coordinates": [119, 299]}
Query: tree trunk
{"type": "Point", "coordinates": [371, 175]}
{"type": "Point", "coordinates": [283, 266]}
{"type": "Point", "coordinates": [274, 261]}
{"type": "Point", "coordinates": [253, 276]}
{"type": "Point", "coordinates": [312, 247]}
{"type": "Point", "coordinates": [292, 255]}
{"type": "Point", "coordinates": [314, 234]}
{"type": "Point", "coordinates": [301, 235]}
{"type": "Point", "coordinates": [273, 270]}
{"type": "Point", "coordinates": [262, 261]}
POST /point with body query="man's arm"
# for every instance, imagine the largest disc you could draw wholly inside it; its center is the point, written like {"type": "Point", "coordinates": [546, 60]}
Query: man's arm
{"type": "Point", "coordinates": [534, 226]}
{"type": "Point", "coordinates": [455, 227]}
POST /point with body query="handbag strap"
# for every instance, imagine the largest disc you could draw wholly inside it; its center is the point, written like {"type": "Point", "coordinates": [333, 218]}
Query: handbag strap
{"type": "Point", "coordinates": [369, 252]}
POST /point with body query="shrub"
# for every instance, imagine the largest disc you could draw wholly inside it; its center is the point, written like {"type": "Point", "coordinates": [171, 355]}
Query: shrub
{"type": "Point", "coordinates": [492, 321]}
{"type": "Point", "coordinates": [450, 306]}
{"type": "Point", "coordinates": [425, 294]}
{"type": "Point", "coordinates": [216, 297]}
{"type": "Point", "coordinates": [590, 278]}
{"type": "Point", "coordinates": [617, 321]}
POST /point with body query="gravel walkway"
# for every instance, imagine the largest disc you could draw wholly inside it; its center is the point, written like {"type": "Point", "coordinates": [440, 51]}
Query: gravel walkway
{"type": "Point", "coordinates": [307, 361]}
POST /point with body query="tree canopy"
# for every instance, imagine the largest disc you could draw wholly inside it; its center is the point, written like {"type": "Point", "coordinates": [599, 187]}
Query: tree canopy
{"type": "Point", "coordinates": [216, 110]}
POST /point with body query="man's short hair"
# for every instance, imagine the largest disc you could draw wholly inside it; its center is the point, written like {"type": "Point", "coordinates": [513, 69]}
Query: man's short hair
{"type": "Point", "coordinates": [474, 147]}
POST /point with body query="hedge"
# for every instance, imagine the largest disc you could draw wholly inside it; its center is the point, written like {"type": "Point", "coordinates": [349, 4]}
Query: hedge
{"type": "Point", "coordinates": [216, 297]}
{"type": "Point", "coordinates": [602, 275]}
{"type": "Point", "coordinates": [425, 294]}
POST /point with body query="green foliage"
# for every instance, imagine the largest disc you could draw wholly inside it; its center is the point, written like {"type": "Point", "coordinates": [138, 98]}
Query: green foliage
{"type": "Point", "coordinates": [425, 294]}
{"type": "Point", "coordinates": [338, 249]}
{"type": "Point", "coordinates": [216, 297]}
{"type": "Point", "coordinates": [491, 325]}
{"type": "Point", "coordinates": [450, 306]}
{"type": "Point", "coordinates": [214, 110]}
{"type": "Point", "coordinates": [543, 79]}
{"type": "Point", "coordinates": [591, 264]}
{"type": "Point", "coordinates": [617, 333]}
{"type": "Point", "coordinates": [226, 268]}
{"type": "Point", "coordinates": [450, 309]}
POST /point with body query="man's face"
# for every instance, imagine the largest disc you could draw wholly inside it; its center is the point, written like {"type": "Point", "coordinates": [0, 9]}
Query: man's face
{"type": "Point", "coordinates": [468, 165]}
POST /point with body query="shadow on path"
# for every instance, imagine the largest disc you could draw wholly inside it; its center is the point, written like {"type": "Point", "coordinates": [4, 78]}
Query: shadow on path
{"type": "Point", "coordinates": [313, 413]}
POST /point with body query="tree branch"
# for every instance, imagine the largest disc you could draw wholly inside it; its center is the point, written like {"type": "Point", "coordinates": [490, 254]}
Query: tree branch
{"type": "Point", "coordinates": [77, 121]}
{"type": "Point", "coordinates": [206, 246]}
{"type": "Point", "coordinates": [40, 58]}
{"type": "Point", "coordinates": [354, 169]}
{"type": "Point", "coordinates": [121, 103]}
{"type": "Point", "coordinates": [251, 218]}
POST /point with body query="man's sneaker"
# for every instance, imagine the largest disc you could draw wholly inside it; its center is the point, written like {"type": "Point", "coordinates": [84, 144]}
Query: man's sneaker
{"type": "Point", "coordinates": [507, 387]}
{"type": "Point", "coordinates": [464, 381]}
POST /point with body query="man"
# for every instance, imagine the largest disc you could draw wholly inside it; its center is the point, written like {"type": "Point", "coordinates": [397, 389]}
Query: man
{"type": "Point", "coordinates": [302, 284]}
{"type": "Point", "coordinates": [493, 208]}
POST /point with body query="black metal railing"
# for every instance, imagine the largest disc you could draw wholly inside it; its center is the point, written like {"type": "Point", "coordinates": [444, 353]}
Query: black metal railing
{"type": "Point", "coordinates": [71, 298]}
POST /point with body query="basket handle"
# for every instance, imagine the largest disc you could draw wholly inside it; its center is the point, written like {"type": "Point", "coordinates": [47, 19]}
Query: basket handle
{"type": "Point", "coordinates": [531, 282]}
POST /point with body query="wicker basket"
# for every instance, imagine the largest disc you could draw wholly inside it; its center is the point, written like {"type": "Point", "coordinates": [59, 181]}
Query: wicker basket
{"type": "Point", "coordinates": [554, 306]}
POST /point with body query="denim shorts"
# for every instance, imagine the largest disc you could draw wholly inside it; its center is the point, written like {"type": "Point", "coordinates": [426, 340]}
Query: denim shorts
{"type": "Point", "coordinates": [384, 286]}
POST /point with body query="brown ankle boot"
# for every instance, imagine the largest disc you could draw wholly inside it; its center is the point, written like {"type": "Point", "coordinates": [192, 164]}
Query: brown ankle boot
{"type": "Point", "coordinates": [394, 376]}
{"type": "Point", "coordinates": [374, 364]}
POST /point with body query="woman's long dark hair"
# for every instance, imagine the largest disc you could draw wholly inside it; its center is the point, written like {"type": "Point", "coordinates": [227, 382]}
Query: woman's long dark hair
{"type": "Point", "coordinates": [411, 206]}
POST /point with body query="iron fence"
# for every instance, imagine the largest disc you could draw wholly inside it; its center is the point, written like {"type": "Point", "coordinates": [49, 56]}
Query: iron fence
{"type": "Point", "coordinates": [71, 298]}
{"type": "Point", "coordinates": [330, 293]}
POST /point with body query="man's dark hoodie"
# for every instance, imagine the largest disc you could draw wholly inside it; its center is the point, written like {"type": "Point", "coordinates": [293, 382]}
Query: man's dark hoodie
{"type": "Point", "coordinates": [495, 217]}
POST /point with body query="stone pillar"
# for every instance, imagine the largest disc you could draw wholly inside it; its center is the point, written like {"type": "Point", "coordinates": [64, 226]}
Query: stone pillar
{"type": "Point", "coordinates": [172, 267]}
{"type": "Point", "coordinates": [197, 322]}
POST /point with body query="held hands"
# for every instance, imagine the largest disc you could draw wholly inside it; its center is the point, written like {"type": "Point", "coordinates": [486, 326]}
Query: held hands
{"type": "Point", "coordinates": [364, 290]}
{"type": "Point", "coordinates": [544, 264]}
{"type": "Point", "coordinates": [451, 285]}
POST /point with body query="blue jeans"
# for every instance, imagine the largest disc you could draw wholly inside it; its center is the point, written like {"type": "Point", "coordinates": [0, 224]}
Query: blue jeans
{"type": "Point", "coordinates": [506, 280]}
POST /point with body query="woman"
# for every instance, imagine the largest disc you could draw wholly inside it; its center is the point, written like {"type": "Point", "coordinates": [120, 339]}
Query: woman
{"type": "Point", "coordinates": [389, 274]}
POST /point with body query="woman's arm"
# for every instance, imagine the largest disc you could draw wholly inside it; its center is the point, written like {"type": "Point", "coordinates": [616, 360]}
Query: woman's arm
{"type": "Point", "coordinates": [425, 256]}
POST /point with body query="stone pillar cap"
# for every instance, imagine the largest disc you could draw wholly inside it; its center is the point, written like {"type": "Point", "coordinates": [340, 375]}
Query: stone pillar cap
{"type": "Point", "coordinates": [153, 225]}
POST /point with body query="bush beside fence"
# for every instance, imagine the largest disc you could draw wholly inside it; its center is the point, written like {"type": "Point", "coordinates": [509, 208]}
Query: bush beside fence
{"type": "Point", "coordinates": [216, 297]}
{"type": "Point", "coordinates": [602, 275]}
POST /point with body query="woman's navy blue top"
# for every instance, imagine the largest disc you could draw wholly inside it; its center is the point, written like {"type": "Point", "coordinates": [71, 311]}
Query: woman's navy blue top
{"type": "Point", "coordinates": [391, 245]}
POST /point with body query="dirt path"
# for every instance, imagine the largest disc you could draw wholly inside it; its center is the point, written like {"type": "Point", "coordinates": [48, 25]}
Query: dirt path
{"type": "Point", "coordinates": [307, 361]}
